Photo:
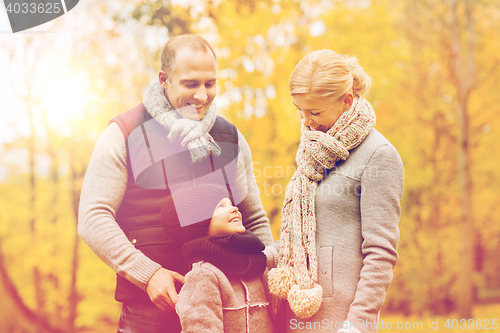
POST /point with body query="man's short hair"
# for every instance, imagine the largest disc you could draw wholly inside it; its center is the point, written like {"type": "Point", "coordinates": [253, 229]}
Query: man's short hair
{"type": "Point", "coordinates": [194, 42]}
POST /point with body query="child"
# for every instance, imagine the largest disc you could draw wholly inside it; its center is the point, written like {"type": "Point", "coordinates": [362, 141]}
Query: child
{"type": "Point", "coordinates": [225, 289]}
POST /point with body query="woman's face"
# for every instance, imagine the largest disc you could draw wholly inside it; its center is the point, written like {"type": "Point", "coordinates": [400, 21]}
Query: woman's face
{"type": "Point", "coordinates": [226, 220]}
{"type": "Point", "coordinates": [320, 115]}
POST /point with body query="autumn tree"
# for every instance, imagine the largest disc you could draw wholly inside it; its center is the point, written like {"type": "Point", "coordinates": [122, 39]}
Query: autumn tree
{"type": "Point", "coordinates": [65, 90]}
{"type": "Point", "coordinates": [445, 40]}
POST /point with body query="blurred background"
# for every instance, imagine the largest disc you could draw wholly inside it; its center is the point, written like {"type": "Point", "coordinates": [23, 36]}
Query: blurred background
{"type": "Point", "coordinates": [436, 71]}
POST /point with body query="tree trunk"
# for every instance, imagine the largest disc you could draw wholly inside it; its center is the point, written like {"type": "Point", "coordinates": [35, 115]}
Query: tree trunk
{"type": "Point", "coordinates": [38, 317]}
{"type": "Point", "coordinates": [74, 297]}
{"type": "Point", "coordinates": [37, 275]}
{"type": "Point", "coordinates": [30, 315]}
{"type": "Point", "coordinates": [463, 73]}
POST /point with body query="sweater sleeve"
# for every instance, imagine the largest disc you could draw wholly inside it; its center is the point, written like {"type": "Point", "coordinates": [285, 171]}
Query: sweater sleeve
{"type": "Point", "coordinates": [200, 304]}
{"type": "Point", "coordinates": [254, 216]}
{"type": "Point", "coordinates": [102, 192]}
{"type": "Point", "coordinates": [381, 193]}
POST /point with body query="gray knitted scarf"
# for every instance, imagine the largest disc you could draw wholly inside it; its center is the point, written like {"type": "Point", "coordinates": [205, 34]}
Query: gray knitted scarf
{"type": "Point", "coordinates": [186, 132]}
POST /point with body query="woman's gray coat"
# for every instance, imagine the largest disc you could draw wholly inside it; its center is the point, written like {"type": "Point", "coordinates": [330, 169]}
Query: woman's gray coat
{"type": "Point", "coordinates": [357, 215]}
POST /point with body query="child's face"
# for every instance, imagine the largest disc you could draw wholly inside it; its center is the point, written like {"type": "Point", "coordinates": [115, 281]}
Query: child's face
{"type": "Point", "coordinates": [226, 219]}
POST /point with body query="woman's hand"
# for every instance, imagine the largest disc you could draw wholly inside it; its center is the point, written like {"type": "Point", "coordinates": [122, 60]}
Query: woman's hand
{"type": "Point", "coordinates": [348, 327]}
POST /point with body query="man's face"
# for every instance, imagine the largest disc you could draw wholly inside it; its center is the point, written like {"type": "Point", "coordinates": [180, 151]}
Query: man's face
{"type": "Point", "coordinates": [192, 85]}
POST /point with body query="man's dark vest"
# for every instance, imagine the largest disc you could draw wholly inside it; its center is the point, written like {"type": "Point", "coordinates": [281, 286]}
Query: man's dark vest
{"type": "Point", "coordinates": [147, 191]}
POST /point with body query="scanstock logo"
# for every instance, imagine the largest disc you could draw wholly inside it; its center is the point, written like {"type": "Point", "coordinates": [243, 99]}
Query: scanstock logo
{"type": "Point", "coordinates": [25, 14]}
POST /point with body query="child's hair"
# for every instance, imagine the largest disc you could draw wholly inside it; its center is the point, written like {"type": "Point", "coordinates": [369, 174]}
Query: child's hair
{"type": "Point", "coordinates": [187, 213]}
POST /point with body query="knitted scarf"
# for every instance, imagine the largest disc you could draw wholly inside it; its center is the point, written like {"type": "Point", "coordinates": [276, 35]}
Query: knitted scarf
{"type": "Point", "coordinates": [295, 278]}
{"type": "Point", "coordinates": [234, 254]}
{"type": "Point", "coordinates": [186, 132]}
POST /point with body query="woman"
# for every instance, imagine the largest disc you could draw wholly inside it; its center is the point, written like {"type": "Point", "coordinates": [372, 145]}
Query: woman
{"type": "Point", "coordinates": [339, 230]}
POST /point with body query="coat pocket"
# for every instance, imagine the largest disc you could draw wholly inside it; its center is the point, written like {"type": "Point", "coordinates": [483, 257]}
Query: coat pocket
{"type": "Point", "coordinates": [325, 271]}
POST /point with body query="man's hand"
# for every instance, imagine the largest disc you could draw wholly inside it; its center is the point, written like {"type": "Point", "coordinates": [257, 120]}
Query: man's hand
{"type": "Point", "coordinates": [161, 289]}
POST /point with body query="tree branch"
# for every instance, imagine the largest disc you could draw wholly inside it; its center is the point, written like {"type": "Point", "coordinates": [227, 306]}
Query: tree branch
{"type": "Point", "coordinates": [25, 311]}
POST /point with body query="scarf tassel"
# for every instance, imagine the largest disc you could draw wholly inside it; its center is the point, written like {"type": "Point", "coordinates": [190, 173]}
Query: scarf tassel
{"type": "Point", "coordinates": [280, 281]}
{"type": "Point", "coordinates": [303, 302]}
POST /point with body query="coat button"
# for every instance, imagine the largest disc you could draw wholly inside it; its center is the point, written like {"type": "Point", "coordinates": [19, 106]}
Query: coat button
{"type": "Point", "coordinates": [134, 241]}
{"type": "Point", "coordinates": [324, 272]}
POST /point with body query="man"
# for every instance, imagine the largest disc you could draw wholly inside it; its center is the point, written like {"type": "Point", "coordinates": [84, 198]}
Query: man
{"type": "Point", "coordinates": [143, 156]}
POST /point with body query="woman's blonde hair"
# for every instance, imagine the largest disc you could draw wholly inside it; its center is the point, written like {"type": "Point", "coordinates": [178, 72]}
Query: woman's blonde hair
{"type": "Point", "coordinates": [324, 74]}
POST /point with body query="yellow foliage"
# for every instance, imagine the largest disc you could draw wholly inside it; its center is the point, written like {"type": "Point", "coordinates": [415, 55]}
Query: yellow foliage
{"type": "Point", "coordinates": [403, 45]}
